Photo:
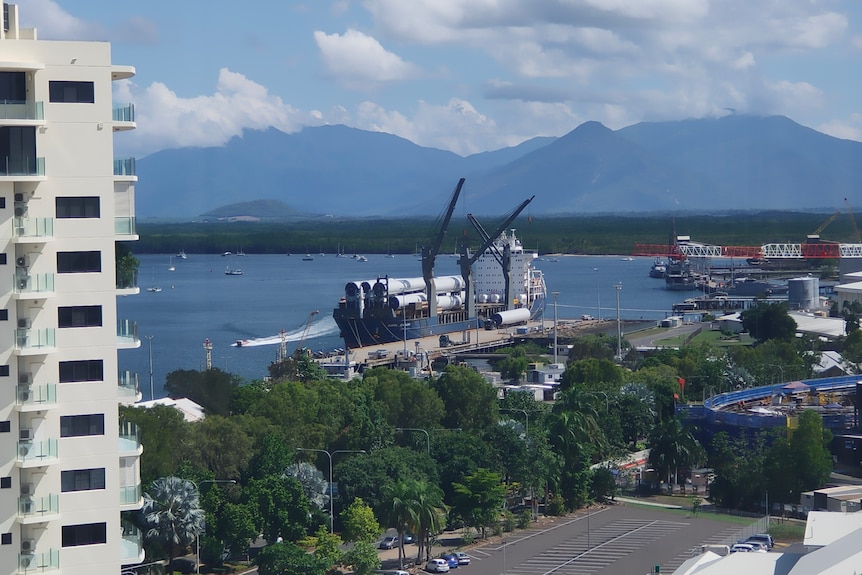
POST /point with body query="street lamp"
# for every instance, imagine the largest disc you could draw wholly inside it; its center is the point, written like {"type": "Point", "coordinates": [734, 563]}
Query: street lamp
{"type": "Point", "coordinates": [619, 287]}
{"type": "Point", "coordinates": [152, 392]}
{"type": "Point", "coordinates": [427, 437]}
{"type": "Point", "coordinates": [556, 293]}
{"type": "Point", "coordinates": [330, 454]}
{"type": "Point", "coordinates": [598, 296]}
{"type": "Point", "coordinates": [198, 534]}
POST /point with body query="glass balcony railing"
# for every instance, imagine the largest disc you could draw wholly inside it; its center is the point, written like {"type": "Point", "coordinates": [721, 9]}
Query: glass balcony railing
{"type": "Point", "coordinates": [18, 166]}
{"type": "Point", "coordinates": [130, 494]}
{"type": "Point", "coordinates": [37, 506]}
{"type": "Point", "coordinates": [33, 227]}
{"type": "Point", "coordinates": [125, 226]}
{"type": "Point", "coordinates": [38, 562]}
{"type": "Point", "coordinates": [37, 394]}
{"type": "Point", "coordinates": [35, 338]}
{"type": "Point", "coordinates": [34, 284]}
{"type": "Point", "coordinates": [130, 437]}
{"type": "Point", "coordinates": [131, 544]}
{"type": "Point", "coordinates": [127, 382]}
{"type": "Point", "coordinates": [124, 113]}
{"type": "Point", "coordinates": [127, 332]}
{"type": "Point", "coordinates": [11, 110]}
{"type": "Point", "coordinates": [124, 167]}
{"type": "Point", "coordinates": [37, 450]}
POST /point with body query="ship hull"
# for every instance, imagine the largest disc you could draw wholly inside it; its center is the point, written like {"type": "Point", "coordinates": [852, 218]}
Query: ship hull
{"type": "Point", "coordinates": [367, 332]}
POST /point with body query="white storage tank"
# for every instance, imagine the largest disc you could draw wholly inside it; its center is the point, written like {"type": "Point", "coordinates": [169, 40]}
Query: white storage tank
{"type": "Point", "coordinates": [803, 293]}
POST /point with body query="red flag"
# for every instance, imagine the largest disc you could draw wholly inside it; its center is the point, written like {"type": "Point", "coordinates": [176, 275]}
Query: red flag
{"type": "Point", "coordinates": [681, 383]}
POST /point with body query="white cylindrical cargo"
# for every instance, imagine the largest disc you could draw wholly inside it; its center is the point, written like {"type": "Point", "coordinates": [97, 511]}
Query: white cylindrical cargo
{"type": "Point", "coordinates": [404, 285]}
{"type": "Point", "coordinates": [482, 298]}
{"type": "Point", "coordinates": [511, 316]}
{"type": "Point", "coordinates": [446, 302]}
{"type": "Point", "coordinates": [495, 298]}
{"type": "Point", "coordinates": [403, 300]}
{"type": "Point", "coordinates": [449, 284]}
{"type": "Point", "coordinates": [803, 293]}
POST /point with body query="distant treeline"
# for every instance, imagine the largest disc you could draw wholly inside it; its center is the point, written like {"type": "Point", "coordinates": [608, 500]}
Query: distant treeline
{"type": "Point", "coordinates": [594, 235]}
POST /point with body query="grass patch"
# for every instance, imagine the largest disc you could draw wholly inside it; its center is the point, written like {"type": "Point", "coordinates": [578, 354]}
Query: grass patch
{"type": "Point", "coordinates": [704, 513]}
{"type": "Point", "coordinates": [789, 532]}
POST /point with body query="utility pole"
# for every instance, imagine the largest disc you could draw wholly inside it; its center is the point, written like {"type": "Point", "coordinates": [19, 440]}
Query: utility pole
{"type": "Point", "coordinates": [556, 293]}
{"type": "Point", "coordinates": [619, 287]}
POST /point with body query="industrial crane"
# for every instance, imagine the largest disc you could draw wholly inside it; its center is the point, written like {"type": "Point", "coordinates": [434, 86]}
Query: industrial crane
{"type": "Point", "coordinates": [429, 254]}
{"type": "Point", "coordinates": [816, 233]}
{"type": "Point", "coordinates": [298, 350]}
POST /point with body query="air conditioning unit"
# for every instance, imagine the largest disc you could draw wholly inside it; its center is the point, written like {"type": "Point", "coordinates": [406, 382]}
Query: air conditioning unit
{"type": "Point", "coordinates": [24, 450]}
{"type": "Point", "coordinates": [28, 546]}
{"type": "Point", "coordinates": [20, 211]}
{"type": "Point", "coordinates": [19, 197]}
{"type": "Point", "coordinates": [25, 378]}
{"type": "Point", "coordinates": [27, 506]}
{"type": "Point", "coordinates": [26, 560]}
{"type": "Point", "coordinates": [22, 261]}
{"type": "Point", "coordinates": [24, 323]}
{"type": "Point", "coordinates": [25, 434]}
{"type": "Point", "coordinates": [24, 395]}
{"type": "Point", "coordinates": [26, 489]}
{"type": "Point", "coordinates": [23, 282]}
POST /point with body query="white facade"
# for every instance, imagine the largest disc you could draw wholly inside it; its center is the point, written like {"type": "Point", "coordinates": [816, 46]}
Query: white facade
{"type": "Point", "coordinates": [69, 467]}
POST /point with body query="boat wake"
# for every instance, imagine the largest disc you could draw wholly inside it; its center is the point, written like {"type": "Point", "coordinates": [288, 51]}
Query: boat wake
{"type": "Point", "coordinates": [322, 328]}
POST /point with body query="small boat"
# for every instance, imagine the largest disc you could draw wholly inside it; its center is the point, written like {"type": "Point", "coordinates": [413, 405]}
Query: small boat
{"type": "Point", "coordinates": [658, 269]}
{"type": "Point", "coordinates": [172, 267]}
{"type": "Point", "coordinates": [225, 254]}
{"type": "Point", "coordinates": [308, 258]}
{"type": "Point", "coordinates": [232, 272]}
{"type": "Point", "coordinates": [362, 259]}
{"type": "Point", "coordinates": [627, 259]}
{"type": "Point", "coordinates": [182, 254]}
{"type": "Point", "coordinates": [154, 289]}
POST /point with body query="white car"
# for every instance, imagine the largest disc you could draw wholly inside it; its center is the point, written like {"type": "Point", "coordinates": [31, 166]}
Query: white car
{"type": "Point", "coordinates": [437, 566]}
{"type": "Point", "coordinates": [746, 548]}
{"type": "Point", "coordinates": [463, 558]}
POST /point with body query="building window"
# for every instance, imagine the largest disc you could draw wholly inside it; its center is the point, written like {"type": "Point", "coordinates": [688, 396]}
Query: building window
{"type": "Point", "coordinates": [71, 92]}
{"type": "Point", "coordinates": [5, 427]}
{"type": "Point", "coordinates": [80, 207]}
{"type": "Point", "coordinates": [5, 483]}
{"type": "Point", "coordinates": [2, 259]}
{"type": "Point", "coordinates": [87, 534]}
{"type": "Point", "coordinates": [6, 539]}
{"type": "Point", "coordinates": [82, 425]}
{"type": "Point", "coordinates": [4, 315]}
{"type": "Point", "coordinates": [80, 316]}
{"type": "Point", "coordinates": [13, 87]}
{"type": "Point", "coordinates": [3, 202]}
{"type": "Point", "coordinates": [79, 262]}
{"type": "Point", "coordinates": [4, 371]}
{"type": "Point", "coordinates": [84, 370]}
{"type": "Point", "coordinates": [82, 480]}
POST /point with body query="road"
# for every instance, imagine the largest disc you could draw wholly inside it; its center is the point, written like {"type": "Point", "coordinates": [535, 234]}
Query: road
{"type": "Point", "coordinates": [619, 540]}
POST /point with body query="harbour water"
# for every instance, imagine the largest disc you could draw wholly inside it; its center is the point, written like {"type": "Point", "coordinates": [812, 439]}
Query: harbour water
{"type": "Point", "coordinates": [198, 301]}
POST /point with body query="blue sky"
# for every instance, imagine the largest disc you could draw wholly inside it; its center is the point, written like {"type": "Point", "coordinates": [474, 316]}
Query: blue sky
{"type": "Point", "coordinates": [466, 75]}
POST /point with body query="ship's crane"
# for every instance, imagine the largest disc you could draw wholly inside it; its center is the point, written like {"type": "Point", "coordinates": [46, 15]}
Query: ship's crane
{"type": "Point", "coordinates": [429, 254]}
{"type": "Point", "coordinates": [816, 233]}
{"type": "Point", "coordinates": [298, 351]}
{"type": "Point", "coordinates": [466, 261]}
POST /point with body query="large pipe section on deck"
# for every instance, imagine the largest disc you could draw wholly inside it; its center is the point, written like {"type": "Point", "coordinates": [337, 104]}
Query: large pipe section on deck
{"type": "Point", "coordinates": [444, 301]}
{"type": "Point", "coordinates": [511, 316]}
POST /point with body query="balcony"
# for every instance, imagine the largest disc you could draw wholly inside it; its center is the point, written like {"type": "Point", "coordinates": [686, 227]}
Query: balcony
{"type": "Point", "coordinates": [22, 169]}
{"type": "Point", "coordinates": [128, 387]}
{"type": "Point", "coordinates": [38, 509]}
{"type": "Point", "coordinates": [22, 113]}
{"type": "Point", "coordinates": [37, 453]}
{"type": "Point", "coordinates": [124, 168]}
{"type": "Point", "coordinates": [131, 545]}
{"type": "Point", "coordinates": [130, 439]}
{"type": "Point", "coordinates": [124, 118]}
{"type": "Point", "coordinates": [126, 226]}
{"type": "Point", "coordinates": [33, 286]}
{"type": "Point", "coordinates": [127, 334]}
{"type": "Point", "coordinates": [30, 341]}
{"type": "Point", "coordinates": [39, 562]}
{"type": "Point", "coordinates": [127, 282]}
{"type": "Point", "coordinates": [36, 397]}
{"type": "Point", "coordinates": [131, 496]}
{"type": "Point", "coordinates": [33, 230]}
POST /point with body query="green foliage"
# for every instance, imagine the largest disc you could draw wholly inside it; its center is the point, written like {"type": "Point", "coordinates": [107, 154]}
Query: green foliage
{"type": "Point", "coordinates": [172, 514]}
{"type": "Point", "coordinates": [363, 558]}
{"type": "Point", "coordinates": [768, 321]}
{"type": "Point", "coordinates": [603, 487]}
{"type": "Point", "coordinates": [127, 266]}
{"type": "Point", "coordinates": [212, 389]}
{"type": "Point", "coordinates": [400, 400]}
{"type": "Point", "coordinates": [299, 367]}
{"type": "Point", "coordinates": [221, 446]}
{"type": "Point", "coordinates": [672, 447]}
{"type": "Point", "coordinates": [509, 521]}
{"type": "Point", "coordinates": [478, 499]}
{"type": "Point", "coordinates": [595, 374]}
{"type": "Point", "coordinates": [556, 506]}
{"type": "Point", "coordinates": [359, 523]}
{"type": "Point", "coordinates": [163, 433]}
{"type": "Point", "coordinates": [524, 519]}
{"type": "Point", "coordinates": [287, 559]}
{"type": "Point", "coordinates": [235, 526]}
{"type": "Point", "coordinates": [328, 548]}
{"type": "Point", "coordinates": [593, 346]}
{"type": "Point", "coordinates": [279, 506]}
{"type": "Point", "coordinates": [512, 368]}
{"type": "Point", "coordinates": [470, 402]}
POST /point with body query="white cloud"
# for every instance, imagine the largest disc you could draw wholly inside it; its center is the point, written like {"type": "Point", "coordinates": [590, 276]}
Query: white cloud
{"type": "Point", "coordinates": [165, 120]}
{"type": "Point", "coordinates": [360, 61]}
{"type": "Point", "coordinates": [53, 23]}
{"type": "Point", "coordinates": [848, 128]}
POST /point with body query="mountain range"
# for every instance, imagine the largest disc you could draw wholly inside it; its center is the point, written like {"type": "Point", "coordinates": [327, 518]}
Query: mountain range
{"type": "Point", "coordinates": [736, 162]}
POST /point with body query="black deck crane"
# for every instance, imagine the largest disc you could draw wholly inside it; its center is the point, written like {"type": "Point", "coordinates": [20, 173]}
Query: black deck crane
{"type": "Point", "coordinates": [298, 351]}
{"type": "Point", "coordinates": [429, 253]}
{"type": "Point", "coordinates": [466, 260]}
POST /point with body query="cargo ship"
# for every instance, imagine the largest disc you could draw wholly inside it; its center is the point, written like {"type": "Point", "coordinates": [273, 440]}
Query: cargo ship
{"type": "Point", "coordinates": [498, 286]}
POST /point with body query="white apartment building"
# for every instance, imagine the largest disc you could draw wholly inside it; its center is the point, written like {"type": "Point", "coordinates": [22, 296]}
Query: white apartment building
{"type": "Point", "coordinates": [68, 466]}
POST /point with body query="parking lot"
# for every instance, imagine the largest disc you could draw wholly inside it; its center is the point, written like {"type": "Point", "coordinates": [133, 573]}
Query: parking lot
{"type": "Point", "coordinates": [616, 540]}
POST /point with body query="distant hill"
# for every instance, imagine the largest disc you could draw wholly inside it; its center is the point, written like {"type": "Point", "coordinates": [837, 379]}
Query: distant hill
{"type": "Point", "coordinates": [255, 210]}
{"type": "Point", "coordinates": [729, 163]}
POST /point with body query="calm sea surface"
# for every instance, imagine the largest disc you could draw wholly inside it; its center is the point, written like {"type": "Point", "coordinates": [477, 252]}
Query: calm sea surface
{"type": "Point", "coordinates": [278, 292]}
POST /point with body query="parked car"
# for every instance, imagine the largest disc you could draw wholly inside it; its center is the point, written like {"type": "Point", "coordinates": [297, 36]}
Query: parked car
{"type": "Point", "coordinates": [396, 572]}
{"type": "Point", "coordinates": [746, 548]}
{"type": "Point", "coordinates": [388, 542]}
{"type": "Point", "coordinates": [409, 537]}
{"type": "Point", "coordinates": [437, 566]}
{"type": "Point", "coordinates": [452, 560]}
{"type": "Point", "coordinates": [463, 558]}
{"type": "Point", "coordinates": [764, 538]}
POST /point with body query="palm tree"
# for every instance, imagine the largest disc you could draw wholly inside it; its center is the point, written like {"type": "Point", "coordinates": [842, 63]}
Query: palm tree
{"type": "Point", "coordinates": [173, 514]}
{"type": "Point", "coordinates": [429, 513]}
{"type": "Point", "coordinates": [672, 446]}
{"type": "Point", "coordinates": [400, 512]}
